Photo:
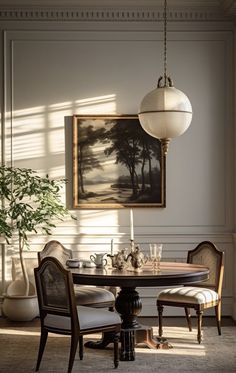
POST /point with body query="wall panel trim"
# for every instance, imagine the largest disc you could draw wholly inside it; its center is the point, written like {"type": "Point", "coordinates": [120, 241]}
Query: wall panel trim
{"type": "Point", "coordinates": [114, 14]}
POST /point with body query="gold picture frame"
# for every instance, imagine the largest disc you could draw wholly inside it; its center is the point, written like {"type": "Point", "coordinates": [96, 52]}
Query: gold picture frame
{"type": "Point", "coordinates": [116, 163]}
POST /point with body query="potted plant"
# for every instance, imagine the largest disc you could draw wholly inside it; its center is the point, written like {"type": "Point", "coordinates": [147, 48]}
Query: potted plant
{"type": "Point", "coordinates": [30, 203]}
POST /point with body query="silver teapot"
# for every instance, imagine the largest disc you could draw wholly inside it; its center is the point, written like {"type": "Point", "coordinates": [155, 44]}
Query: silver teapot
{"type": "Point", "coordinates": [137, 259]}
{"type": "Point", "coordinates": [119, 260]}
{"type": "Point", "coordinates": [133, 261]}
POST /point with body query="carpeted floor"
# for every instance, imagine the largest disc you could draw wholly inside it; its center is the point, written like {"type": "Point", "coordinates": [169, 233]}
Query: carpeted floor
{"type": "Point", "coordinates": [19, 346]}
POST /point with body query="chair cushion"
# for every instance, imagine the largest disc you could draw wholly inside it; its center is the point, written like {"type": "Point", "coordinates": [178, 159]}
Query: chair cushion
{"type": "Point", "coordinates": [93, 296]}
{"type": "Point", "coordinates": [89, 318]}
{"type": "Point", "coordinates": [58, 322]}
{"type": "Point", "coordinates": [188, 294]}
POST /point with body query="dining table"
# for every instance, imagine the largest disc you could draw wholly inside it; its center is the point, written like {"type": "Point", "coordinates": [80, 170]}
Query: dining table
{"type": "Point", "coordinates": [128, 302]}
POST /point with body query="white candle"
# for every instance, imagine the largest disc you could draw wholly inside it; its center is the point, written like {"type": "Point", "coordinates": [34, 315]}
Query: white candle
{"type": "Point", "coordinates": [112, 246]}
{"type": "Point", "coordinates": [131, 225]}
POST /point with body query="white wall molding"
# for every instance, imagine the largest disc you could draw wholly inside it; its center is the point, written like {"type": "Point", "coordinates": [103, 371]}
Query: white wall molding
{"type": "Point", "coordinates": [113, 14]}
{"type": "Point", "coordinates": [176, 245]}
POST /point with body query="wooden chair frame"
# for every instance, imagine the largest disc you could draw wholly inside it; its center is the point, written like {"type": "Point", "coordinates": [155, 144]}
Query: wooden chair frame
{"type": "Point", "coordinates": [50, 250]}
{"type": "Point", "coordinates": [56, 249]}
{"type": "Point", "coordinates": [199, 308]}
{"type": "Point", "coordinates": [70, 311]}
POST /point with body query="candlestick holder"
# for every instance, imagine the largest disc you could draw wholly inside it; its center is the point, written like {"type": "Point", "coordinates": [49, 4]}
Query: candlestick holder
{"type": "Point", "coordinates": [132, 245]}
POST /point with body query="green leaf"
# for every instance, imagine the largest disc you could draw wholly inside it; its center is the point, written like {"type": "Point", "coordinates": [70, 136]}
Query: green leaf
{"type": "Point", "coordinates": [32, 203]}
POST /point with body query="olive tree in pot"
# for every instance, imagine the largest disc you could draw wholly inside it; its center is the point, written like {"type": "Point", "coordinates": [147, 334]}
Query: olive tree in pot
{"type": "Point", "coordinates": [31, 203]}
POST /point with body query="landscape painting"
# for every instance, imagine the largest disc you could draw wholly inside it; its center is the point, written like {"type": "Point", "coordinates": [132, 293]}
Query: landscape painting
{"type": "Point", "coordinates": [116, 163]}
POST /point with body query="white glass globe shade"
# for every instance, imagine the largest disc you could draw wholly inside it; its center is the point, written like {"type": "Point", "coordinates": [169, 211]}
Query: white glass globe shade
{"type": "Point", "coordinates": [165, 113]}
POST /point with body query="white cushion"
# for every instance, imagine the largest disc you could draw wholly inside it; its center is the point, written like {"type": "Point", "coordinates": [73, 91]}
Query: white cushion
{"type": "Point", "coordinates": [89, 318]}
{"type": "Point", "coordinates": [188, 294]}
{"type": "Point", "coordinates": [59, 322]}
{"type": "Point", "coordinates": [93, 296]}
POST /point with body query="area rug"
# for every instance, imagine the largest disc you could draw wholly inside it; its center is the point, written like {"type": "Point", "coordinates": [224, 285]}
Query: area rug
{"type": "Point", "coordinates": [19, 347]}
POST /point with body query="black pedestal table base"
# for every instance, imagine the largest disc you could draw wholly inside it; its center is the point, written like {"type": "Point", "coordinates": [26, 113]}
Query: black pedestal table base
{"type": "Point", "coordinates": [128, 305]}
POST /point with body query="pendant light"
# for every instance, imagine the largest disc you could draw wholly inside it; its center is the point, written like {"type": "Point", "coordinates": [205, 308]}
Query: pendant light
{"type": "Point", "coordinates": [165, 112]}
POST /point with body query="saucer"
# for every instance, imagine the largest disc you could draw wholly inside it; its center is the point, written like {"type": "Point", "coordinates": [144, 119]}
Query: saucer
{"type": "Point", "coordinates": [88, 264]}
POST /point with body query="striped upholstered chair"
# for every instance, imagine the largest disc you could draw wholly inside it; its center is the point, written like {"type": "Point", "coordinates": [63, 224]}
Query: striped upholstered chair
{"type": "Point", "coordinates": [202, 296]}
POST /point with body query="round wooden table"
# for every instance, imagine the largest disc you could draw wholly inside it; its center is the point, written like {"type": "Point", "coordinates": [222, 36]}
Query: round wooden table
{"type": "Point", "coordinates": [128, 303]}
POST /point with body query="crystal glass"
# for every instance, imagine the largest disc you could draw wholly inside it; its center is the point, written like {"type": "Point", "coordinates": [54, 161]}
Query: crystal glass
{"type": "Point", "coordinates": [155, 255]}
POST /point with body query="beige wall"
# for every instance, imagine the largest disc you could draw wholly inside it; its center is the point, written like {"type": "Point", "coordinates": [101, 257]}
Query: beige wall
{"type": "Point", "coordinates": [53, 70]}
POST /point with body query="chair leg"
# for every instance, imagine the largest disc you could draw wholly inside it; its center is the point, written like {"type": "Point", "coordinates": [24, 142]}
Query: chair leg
{"type": "Point", "coordinates": [199, 325]}
{"type": "Point", "coordinates": [218, 317]}
{"type": "Point", "coordinates": [42, 344]}
{"type": "Point", "coordinates": [188, 317]}
{"type": "Point", "coordinates": [116, 349]}
{"type": "Point", "coordinates": [81, 347]}
{"type": "Point", "coordinates": [160, 313]}
{"type": "Point", "coordinates": [73, 348]}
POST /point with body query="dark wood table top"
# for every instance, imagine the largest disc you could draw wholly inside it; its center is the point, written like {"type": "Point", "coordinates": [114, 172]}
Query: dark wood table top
{"type": "Point", "coordinates": [171, 273]}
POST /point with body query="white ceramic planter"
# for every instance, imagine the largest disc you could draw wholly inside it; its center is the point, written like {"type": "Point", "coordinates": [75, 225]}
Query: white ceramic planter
{"type": "Point", "coordinates": [20, 307]}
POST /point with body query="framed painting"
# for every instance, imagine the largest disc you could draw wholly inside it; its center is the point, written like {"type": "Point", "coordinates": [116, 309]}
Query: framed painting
{"type": "Point", "coordinates": [116, 163]}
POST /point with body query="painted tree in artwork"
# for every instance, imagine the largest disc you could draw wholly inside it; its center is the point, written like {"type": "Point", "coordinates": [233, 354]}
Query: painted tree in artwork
{"type": "Point", "coordinates": [87, 160]}
{"type": "Point", "coordinates": [133, 148]}
{"type": "Point", "coordinates": [124, 144]}
{"type": "Point", "coordinates": [149, 148]}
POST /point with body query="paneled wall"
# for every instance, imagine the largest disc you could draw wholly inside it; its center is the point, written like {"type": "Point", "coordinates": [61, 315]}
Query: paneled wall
{"type": "Point", "coordinates": [54, 70]}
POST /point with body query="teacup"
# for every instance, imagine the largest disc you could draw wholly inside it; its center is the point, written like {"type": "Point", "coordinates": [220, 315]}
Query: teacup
{"type": "Point", "coordinates": [98, 259]}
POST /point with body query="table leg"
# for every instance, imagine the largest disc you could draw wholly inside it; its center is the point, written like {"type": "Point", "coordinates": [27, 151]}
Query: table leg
{"type": "Point", "coordinates": [145, 336]}
{"type": "Point", "coordinates": [107, 338]}
{"type": "Point", "coordinates": [128, 304]}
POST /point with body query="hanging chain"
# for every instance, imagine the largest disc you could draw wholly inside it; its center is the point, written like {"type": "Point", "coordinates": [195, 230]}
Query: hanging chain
{"type": "Point", "coordinates": [167, 79]}
{"type": "Point", "coordinates": [165, 48]}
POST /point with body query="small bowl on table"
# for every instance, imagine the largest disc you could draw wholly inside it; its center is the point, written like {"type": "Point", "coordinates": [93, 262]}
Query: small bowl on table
{"type": "Point", "coordinates": [74, 263]}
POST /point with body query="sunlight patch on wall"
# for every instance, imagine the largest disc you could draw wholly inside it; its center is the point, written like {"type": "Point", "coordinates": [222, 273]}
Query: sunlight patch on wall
{"type": "Point", "coordinates": [97, 105]}
{"type": "Point", "coordinates": [57, 112]}
{"type": "Point", "coordinates": [97, 223]}
{"type": "Point", "coordinates": [23, 146]}
{"type": "Point", "coordinates": [27, 120]}
{"type": "Point", "coordinates": [38, 142]}
{"type": "Point", "coordinates": [55, 172]}
{"type": "Point", "coordinates": [56, 141]}
{"type": "Point", "coordinates": [104, 217]}
{"type": "Point", "coordinates": [39, 131]}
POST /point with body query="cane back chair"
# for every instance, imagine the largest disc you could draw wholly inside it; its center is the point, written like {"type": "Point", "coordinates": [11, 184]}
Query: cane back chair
{"type": "Point", "coordinates": [202, 296]}
{"type": "Point", "coordinates": [85, 295]}
{"type": "Point", "coordinates": [59, 313]}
